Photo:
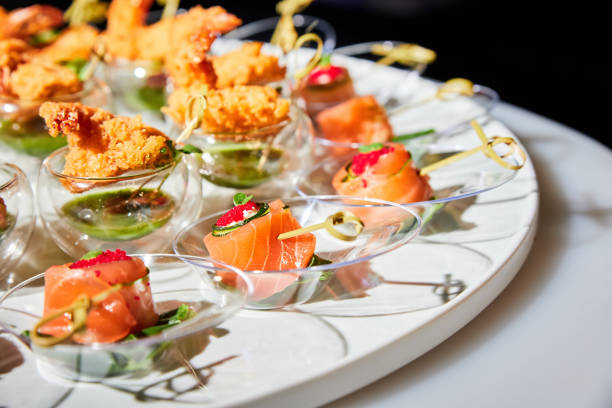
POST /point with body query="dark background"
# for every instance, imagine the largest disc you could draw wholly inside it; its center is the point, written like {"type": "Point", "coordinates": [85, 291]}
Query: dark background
{"type": "Point", "coordinates": [550, 58]}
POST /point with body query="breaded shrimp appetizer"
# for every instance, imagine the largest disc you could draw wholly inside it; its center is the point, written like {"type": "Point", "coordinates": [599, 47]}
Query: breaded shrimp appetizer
{"type": "Point", "coordinates": [190, 66]}
{"type": "Point", "coordinates": [34, 81]}
{"type": "Point", "coordinates": [25, 22]}
{"type": "Point", "coordinates": [246, 66]}
{"type": "Point", "coordinates": [103, 145]}
{"type": "Point", "coordinates": [73, 42]}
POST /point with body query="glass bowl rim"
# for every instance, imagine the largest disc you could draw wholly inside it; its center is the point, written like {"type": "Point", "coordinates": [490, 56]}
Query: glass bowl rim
{"type": "Point", "coordinates": [89, 86]}
{"type": "Point", "coordinates": [146, 341]}
{"type": "Point", "coordinates": [129, 176]}
{"type": "Point", "coordinates": [210, 263]}
{"type": "Point", "coordinates": [480, 90]}
{"type": "Point", "coordinates": [16, 172]}
{"type": "Point", "coordinates": [305, 173]}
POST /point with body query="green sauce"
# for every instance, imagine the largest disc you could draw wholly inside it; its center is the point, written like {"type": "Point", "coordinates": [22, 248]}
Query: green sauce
{"type": "Point", "coordinates": [146, 98]}
{"type": "Point", "coordinates": [31, 138]}
{"type": "Point", "coordinates": [120, 215]}
{"type": "Point", "coordinates": [238, 166]}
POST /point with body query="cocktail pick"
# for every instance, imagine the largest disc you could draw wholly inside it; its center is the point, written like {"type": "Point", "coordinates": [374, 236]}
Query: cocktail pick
{"type": "Point", "coordinates": [412, 55]}
{"type": "Point", "coordinates": [170, 7]}
{"type": "Point", "coordinates": [451, 88]}
{"type": "Point", "coordinates": [193, 121]}
{"type": "Point", "coordinates": [97, 54]}
{"type": "Point", "coordinates": [341, 217]}
{"type": "Point", "coordinates": [85, 11]}
{"type": "Point", "coordinates": [303, 39]}
{"type": "Point", "coordinates": [285, 35]}
{"type": "Point", "coordinates": [487, 148]}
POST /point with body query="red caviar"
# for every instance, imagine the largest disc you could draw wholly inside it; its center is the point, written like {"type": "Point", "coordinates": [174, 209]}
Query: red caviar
{"type": "Point", "coordinates": [105, 257]}
{"type": "Point", "coordinates": [236, 214]}
{"type": "Point", "coordinates": [364, 160]}
{"type": "Point", "coordinates": [326, 74]}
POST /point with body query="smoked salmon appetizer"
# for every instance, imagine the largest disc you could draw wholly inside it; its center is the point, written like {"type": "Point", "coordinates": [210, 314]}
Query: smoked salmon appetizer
{"type": "Point", "coordinates": [126, 310]}
{"type": "Point", "coordinates": [383, 171]}
{"type": "Point", "coordinates": [246, 237]}
{"type": "Point", "coordinates": [357, 120]}
{"type": "Point", "coordinates": [327, 85]}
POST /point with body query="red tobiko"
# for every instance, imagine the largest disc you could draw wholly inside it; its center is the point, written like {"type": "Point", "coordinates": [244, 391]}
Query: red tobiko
{"type": "Point", "coordinates": [236, 214]}
{"type": "Point", "coordinates": [105, 257]}
{"type": "Point", "coordinates": [364, 160]}
{"type": "Point", "coordinates": [326, 74]}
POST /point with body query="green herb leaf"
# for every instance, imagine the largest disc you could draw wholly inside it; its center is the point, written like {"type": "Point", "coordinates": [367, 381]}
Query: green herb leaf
{"type": "Point", "coordinates": [317, 260]}
{"type": "Point", "coordinates": [188, 149]}
{"type": "Point", "coordinates": [169, 319]}
{"type": "Point", "coordinates": [371, 147]}
{"type": "Point", "coordinates": [44, 37]}
{"type": "Point", "coordinates": [241, 198]}
{"type": "Point", "coordinates": [414, 135]}
{"type": "Point", "coordinates": [77, 65]}
{"type": "Point", "coordinates": [91, 254]}
{"type": "Point", "coordinates": [325, 60]}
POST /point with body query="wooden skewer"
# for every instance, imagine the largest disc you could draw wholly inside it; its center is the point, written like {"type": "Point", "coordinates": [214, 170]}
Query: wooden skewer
{"type": "Point", "coordinates": [193, 122]}
{"type": "Point", "coordinates": [487, 148]}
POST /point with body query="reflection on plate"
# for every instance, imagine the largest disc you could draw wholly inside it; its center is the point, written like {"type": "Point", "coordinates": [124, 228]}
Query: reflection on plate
{"type": "Point", "coordinates": [415, 277]}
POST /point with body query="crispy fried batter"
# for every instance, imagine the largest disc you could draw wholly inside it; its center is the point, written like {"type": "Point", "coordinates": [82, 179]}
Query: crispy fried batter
{"type": "Point", "coordinates": [41, 80]}
{"type": "Point", "coordinates": [190, 66]}
{"type": "Point", "coordinates": [124, 20]}
{"type": "Point", "coordinates": [103, 145]}
{"type": "Point", "coordinates": [243, 108]}
{"type": "Point", "coordinates": [25, 22]}
{"type": "Point", "coordinates": [73, 42]}
{"type": "Point", "coordinates": [246, 66]}
{"type": "Point", "coordinates": [14, 52]}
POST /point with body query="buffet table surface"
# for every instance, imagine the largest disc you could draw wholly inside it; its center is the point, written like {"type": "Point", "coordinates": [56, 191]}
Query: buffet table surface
{"type": "Point", "coordinates": [545, 341]}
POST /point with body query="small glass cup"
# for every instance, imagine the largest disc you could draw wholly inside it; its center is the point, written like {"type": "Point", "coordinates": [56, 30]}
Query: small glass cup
{"type": "Point", "coordinates": [17, 218]}
{"type": "Point", "coordinates": [138, 210]}
{"type": "Point", "coordinates": [261, 155]}
{"type": "Point", "coordinates": [24, 131]}
{"type": "Point", "coordinates": [387, 227]}
{"type": "Point", "coordinates": [173, 282]}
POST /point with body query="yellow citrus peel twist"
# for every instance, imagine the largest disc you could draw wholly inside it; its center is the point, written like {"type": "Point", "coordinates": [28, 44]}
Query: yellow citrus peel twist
{"type": "Point", "coordinates": [405, 54]}
{"type": "Point", "coordinates": [285, 35]}
{"type": "Point", "coordinates": [303, 39]}
{"type": "Point", "coordinates": [341, 217]}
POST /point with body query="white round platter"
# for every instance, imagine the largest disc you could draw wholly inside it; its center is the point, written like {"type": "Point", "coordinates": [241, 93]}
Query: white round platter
{"type": "Point", "coordinates": [295, 359]}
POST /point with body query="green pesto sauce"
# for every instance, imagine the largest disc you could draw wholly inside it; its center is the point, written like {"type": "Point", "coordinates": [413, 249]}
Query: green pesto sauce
{"type": "Point", "coordinates": [238, 166]}
{"type": "Point", "coordinates": [31, 139]}
{"type": "Point", "coordinates": [146, 98]}
{"type": "Point", "coordinates": [120, 215]}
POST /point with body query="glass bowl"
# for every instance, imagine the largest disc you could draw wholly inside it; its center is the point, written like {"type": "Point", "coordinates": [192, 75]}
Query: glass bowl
{"type": "Point", "coordinates": [22, 130]}
{"type": "Point", "coordinates": [172, 283]}
{"type": "Point", "coordinates": [138, 85]}
{"type": "Point", "coordinates": [17, 218]}
{"type": "Point", "coordinates": [138, 211]}
{"type": "Point", "coordinates": [263, 155]}
{"type": "Point", "coordinates": [424, 120]}
{"type": "Point", "coordinates": [389, 227]}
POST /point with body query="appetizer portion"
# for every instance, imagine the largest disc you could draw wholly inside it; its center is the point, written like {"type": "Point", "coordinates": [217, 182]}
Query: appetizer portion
{"type": "Point", "coordinates": [104, 145]}
{"type": "Point", "coordinates": [247, 237]}
{"type": "Point", "coordinates": [246, 66]}
{"type": "Point", "coordinates": [106, 151]}
{"type": "Point", "coordinates": [30, 22]}
{"type": "Point", "coordinates": [359, 119]}
{"type": "Point", "coordinates": [105, 297]}
{"type": "Point", "coordinates": [383, 171]}
{"type": "Point", "coordinates": [326, 85]}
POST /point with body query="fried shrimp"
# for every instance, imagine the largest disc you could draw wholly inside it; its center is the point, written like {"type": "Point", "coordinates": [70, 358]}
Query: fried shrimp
{"type": "Point", "coordinates": [103, 145]}
{"type": "Point", "coordinates": [246, 66]}
{"type": "Point", "coordinates": [39, 80]}
{"type": "Point", "coordinates": [243, 108]}
{"type": "Point", "coordinates": [125, 18]}
{"type": "Point", "coordinates": [25, 22]}
{"type": "Point", "coordinates": [190, 66]}
{"type": "Point", "coordinates": [72, 43]}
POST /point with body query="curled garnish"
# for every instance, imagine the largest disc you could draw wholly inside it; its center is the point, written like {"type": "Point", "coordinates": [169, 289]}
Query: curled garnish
{"type": "Point", "coordinates": [303, 39]}
{"type": "Point", "coordinates": [78, 310]}
{"type": "Point", "coordinates": [487, 148]}
{"type": "Point", "coordinates": [341, 217]}
{"type": "Point", "coordinates": [406, 54]}
{"type": "Point", "coordinates": [455, 86]}
{"type": "Point", "coordinates": [193, 121]}
{"type": "Point", "coordinates": [85, 11]}
{"type": "Point", "coordinates": [97, 55]}
{"type": "Point", "coordinates": [285, 35]}
{"type": "Point", "coordinates": [170, 8]}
